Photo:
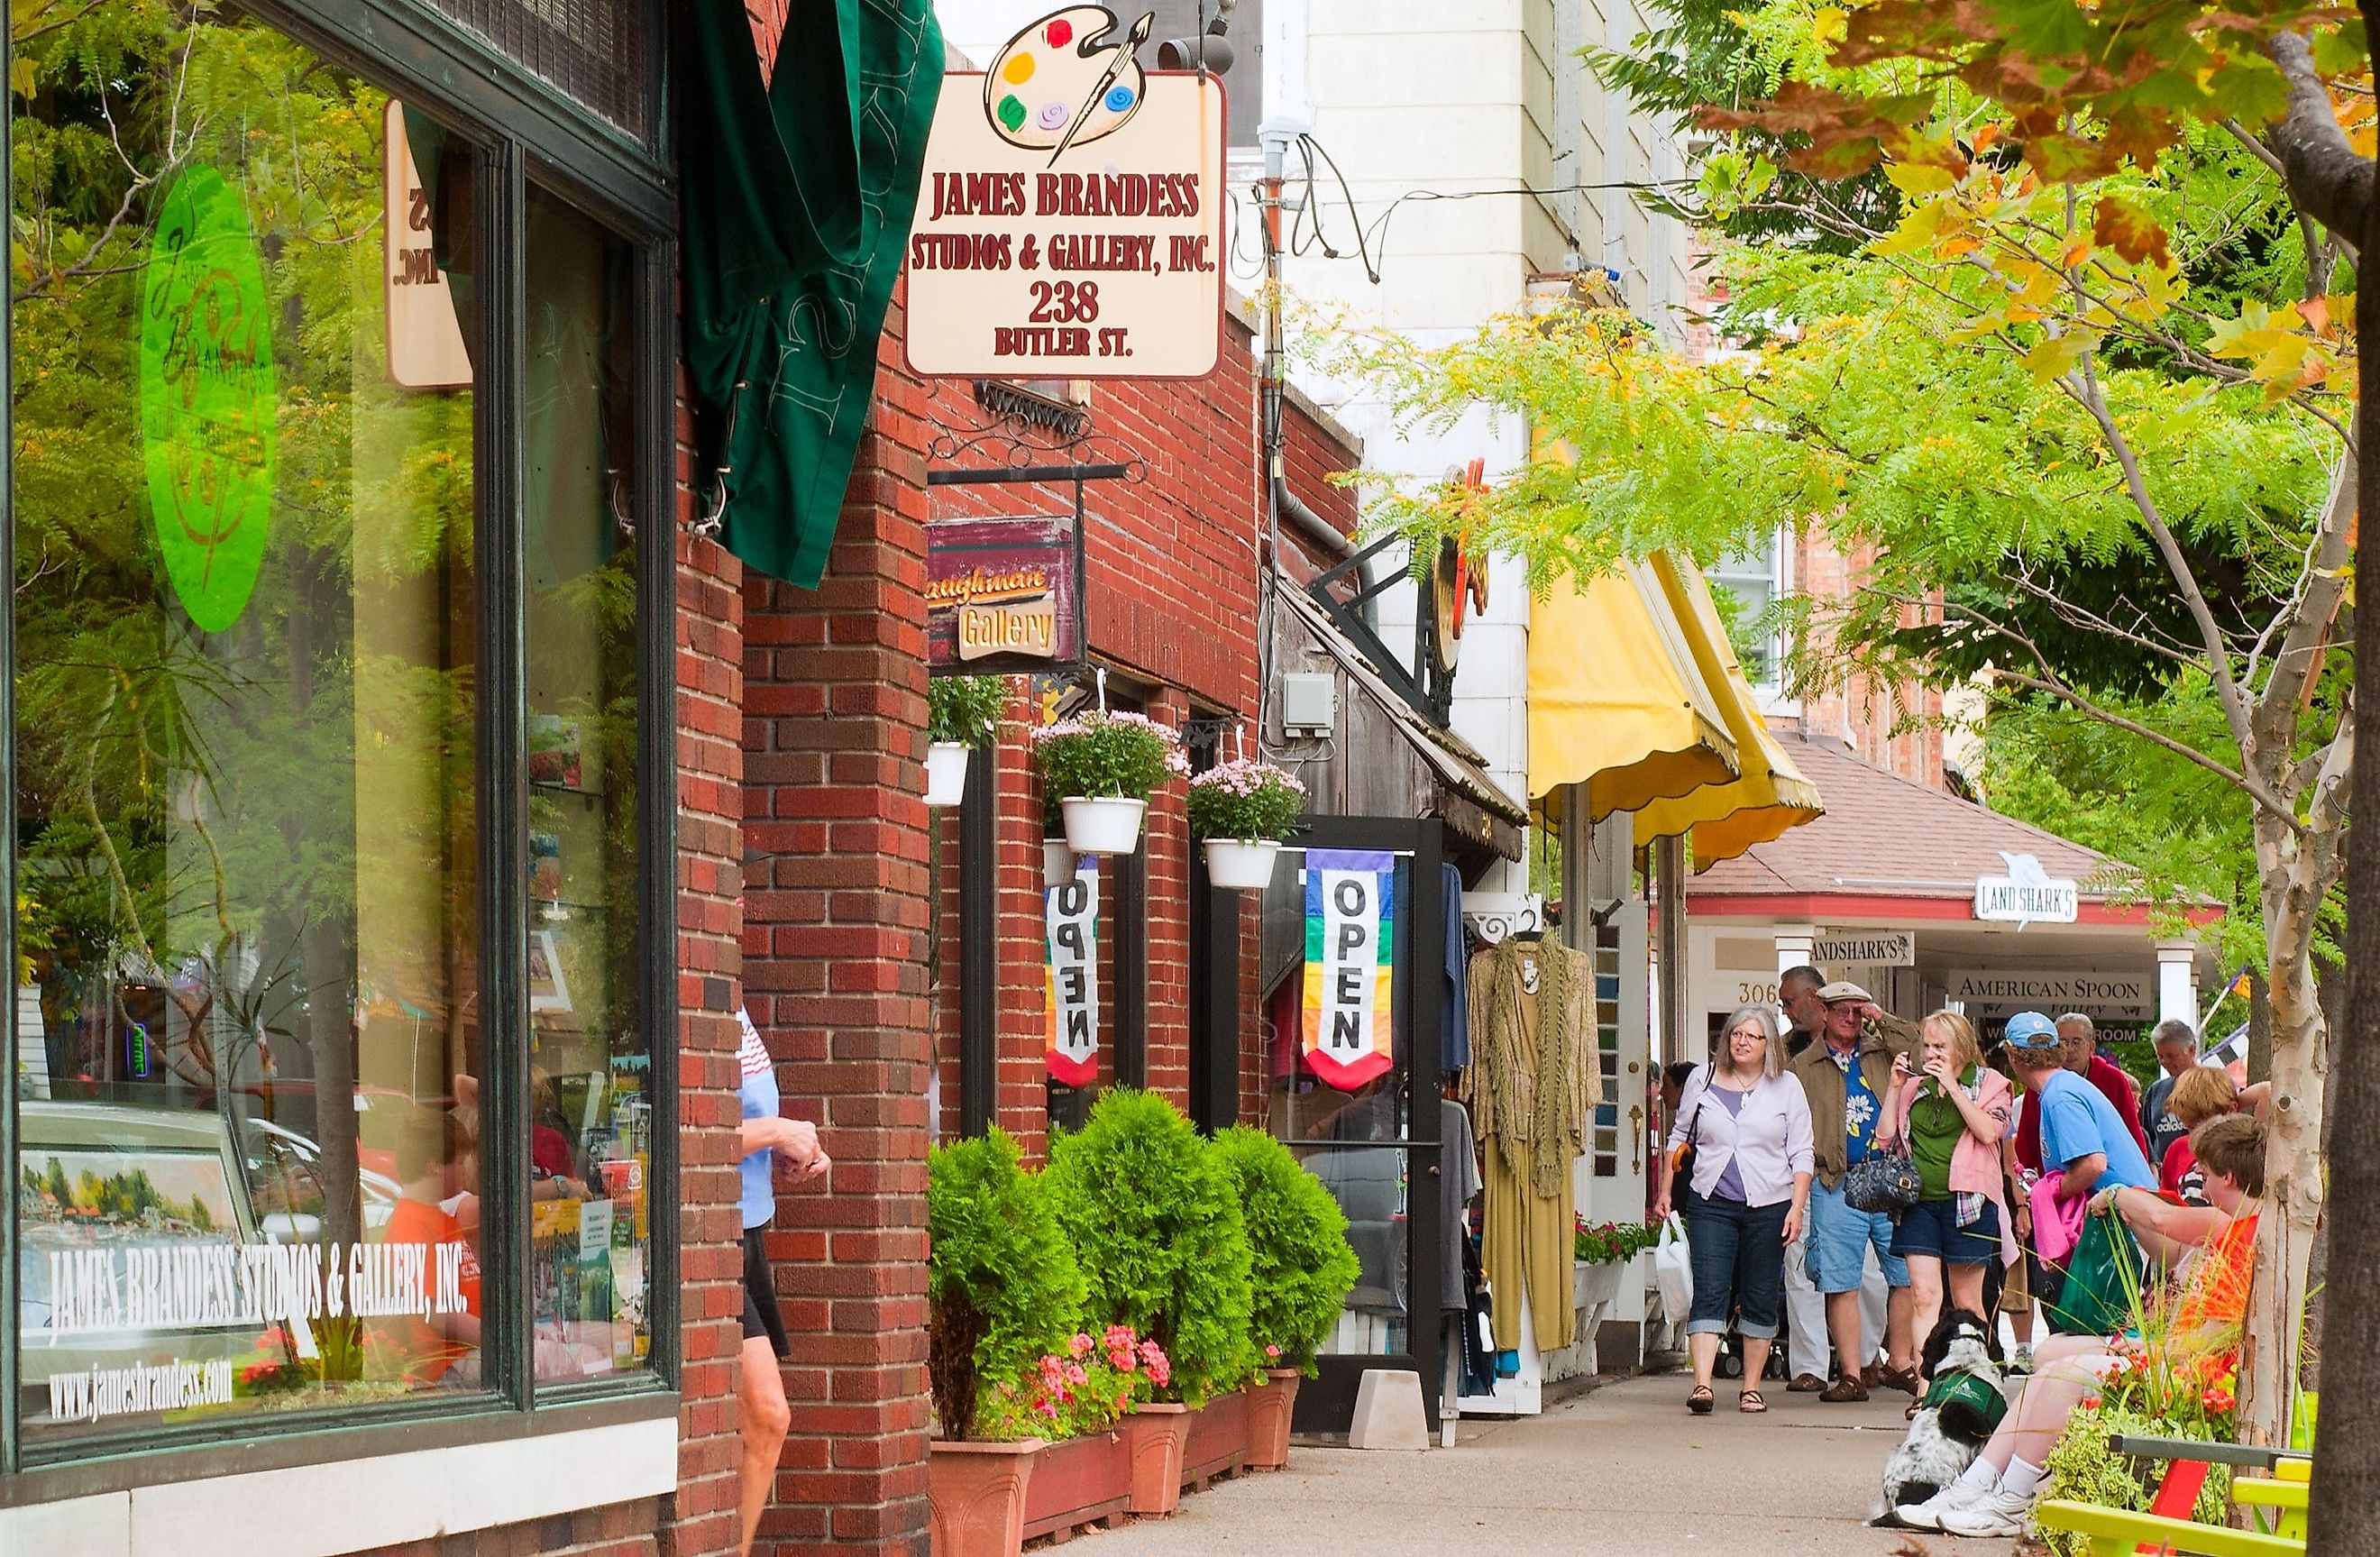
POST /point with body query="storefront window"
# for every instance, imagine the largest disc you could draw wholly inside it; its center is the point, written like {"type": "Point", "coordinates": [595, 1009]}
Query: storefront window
{"type": "Point", "coordinates": [255, 1058]}
{"type": "Point", "coordinates": [590, 1065]}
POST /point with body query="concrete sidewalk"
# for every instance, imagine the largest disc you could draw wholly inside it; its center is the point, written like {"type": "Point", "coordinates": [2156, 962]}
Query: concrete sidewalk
{"type": "Point", "coordinates": [1624, 1469]}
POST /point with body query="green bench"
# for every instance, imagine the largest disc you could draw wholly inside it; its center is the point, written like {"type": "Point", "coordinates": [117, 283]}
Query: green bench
{"type": "Point", "coordinates": [2120, 1533]}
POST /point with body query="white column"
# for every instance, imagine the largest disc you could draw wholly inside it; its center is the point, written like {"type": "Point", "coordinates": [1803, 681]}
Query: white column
{"type": "Point", "coordinates": [1796, 943]}
{"type": "Point", "coordinates": [2178, 981]}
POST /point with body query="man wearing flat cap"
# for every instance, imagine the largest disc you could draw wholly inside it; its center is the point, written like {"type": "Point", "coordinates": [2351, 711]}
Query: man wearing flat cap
{"type": "Point", "coordinates": [1846, 1076]}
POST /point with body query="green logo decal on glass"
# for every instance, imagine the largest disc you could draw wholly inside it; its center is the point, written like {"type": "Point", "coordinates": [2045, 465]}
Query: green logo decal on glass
{"type": "Point", "coordinates": [207, 397]}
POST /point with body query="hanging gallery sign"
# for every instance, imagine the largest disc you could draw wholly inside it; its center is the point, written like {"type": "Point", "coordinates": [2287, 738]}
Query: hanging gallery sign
{"type": "Point", "coordinates": [1350, 965]}
{"type": "Point", "coordinates": [1072, 916]}
{"type": "Point", "coordinates": [1004, 596]}
{"type": "Point", "coordinates": [1071, 218]}
{"type": "Point", "coordinates": [425, 338]}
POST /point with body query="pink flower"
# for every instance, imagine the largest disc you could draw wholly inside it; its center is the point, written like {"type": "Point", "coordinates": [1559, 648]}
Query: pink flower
{"type": "Point", "coordinates": [1272, 1351]}
{"type": "Point", "coordinates": [1159, 1370]}
{"type": "Point", "coordinates": [1119, 1337]}
{"type": "Point", "coordinates": [1048, 1409]}
{"type": "Point", "coordinates": [1120, 1360]}
{"type": "Point", "coordinates": [1080, 1346]}
{"type": "Point", "coordinates": [1077, 1374]}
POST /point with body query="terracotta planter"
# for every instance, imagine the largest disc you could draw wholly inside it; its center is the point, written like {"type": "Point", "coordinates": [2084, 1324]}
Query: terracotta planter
{"type": "Point", "coordinates": [946, 770]}
{"type": "Point", "coordinates": [1102, 823]}
{"type": "Point", "coordinates": [1269, 1408]}
{"type": "Point", "coordinates": [1153, 1440]}
{"type": "Point", "coordinates": [976, 1495]}
{"type": "Point", "coordinates": [1217, 1443]}
{"type": "Point", "coordinates": [1078, 1481]}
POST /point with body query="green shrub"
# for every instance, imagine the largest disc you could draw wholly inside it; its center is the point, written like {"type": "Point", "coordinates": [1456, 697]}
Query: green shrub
{"type": "Point", "coordinates": [1001, 1280]}
{"type": "Point", "coordinates": [966, 709]}
{"type": "Point", "coordinates": [1154, 1217]}
{"type": "Point", "coordinates": [1297, 1240]}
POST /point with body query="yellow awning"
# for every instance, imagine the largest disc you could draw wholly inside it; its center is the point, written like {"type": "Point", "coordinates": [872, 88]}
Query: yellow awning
{"type": "Point", "coordinates": [1769, 796]}
{"type": "Point", "coordinates": [1615, 697]}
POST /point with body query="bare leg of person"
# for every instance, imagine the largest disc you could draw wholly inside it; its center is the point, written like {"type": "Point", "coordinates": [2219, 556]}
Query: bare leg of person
{"type": "Point", "coordinates": [762, 1419]}
{"type": "Point", "coordinates": [1899, 1347]}
{"type": "Point", "coordinates": [1755, 1360]}
{"type": "Point", "coordinates": [1843, 1324]}
{"type": "Point", "coordinates": [2067, 1369]}
{"type": "Point", "coordinates": [1702, 1346]}
{"type": "Point", "coordinates": [1924, 1293]}
{"type": "Point", "coordinates": [1966, 1282]}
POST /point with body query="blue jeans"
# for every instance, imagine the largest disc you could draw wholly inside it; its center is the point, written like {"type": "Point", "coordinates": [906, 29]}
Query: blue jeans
{"type": "Point", "coordinates": [1738, 1254]}
{"type": "Point", "coordinates": [1839, 1239]}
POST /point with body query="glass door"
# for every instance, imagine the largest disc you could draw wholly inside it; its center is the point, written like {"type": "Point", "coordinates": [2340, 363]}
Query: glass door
{"type": "Point", "coordinates": [1351, 982]}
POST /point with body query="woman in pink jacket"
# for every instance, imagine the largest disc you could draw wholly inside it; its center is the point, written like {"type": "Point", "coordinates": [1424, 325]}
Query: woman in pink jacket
{"type": "Point", "coordinates": [1952, 1113]}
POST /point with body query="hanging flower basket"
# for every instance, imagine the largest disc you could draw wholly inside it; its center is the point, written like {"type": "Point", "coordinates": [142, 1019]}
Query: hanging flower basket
{"type": "Point", "coordinates": [1102, 766]}
{"type": "Point", "coordinates": [961, 713]}
{"type": "Point", "coordinates": [946, 770]}
{"type": "Point", "coordinates": [1104, 824]}
{"type": "Point", "coordinates": [1239, 864]}
{"type": "Point", "coordinates": [1242, 809]}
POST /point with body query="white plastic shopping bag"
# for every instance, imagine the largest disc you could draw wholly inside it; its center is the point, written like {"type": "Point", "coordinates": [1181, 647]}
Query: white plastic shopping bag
{"type": "Point", "coordinates": [1672, 1273]}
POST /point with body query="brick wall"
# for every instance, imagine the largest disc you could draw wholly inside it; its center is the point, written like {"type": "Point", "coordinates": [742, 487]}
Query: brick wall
{"type": "Point", "coordinates": [835, 949]}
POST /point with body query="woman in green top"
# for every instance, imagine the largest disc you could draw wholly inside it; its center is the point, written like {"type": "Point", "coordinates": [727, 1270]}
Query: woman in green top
{"type": "Point", "coordinates": [1951, 1111]}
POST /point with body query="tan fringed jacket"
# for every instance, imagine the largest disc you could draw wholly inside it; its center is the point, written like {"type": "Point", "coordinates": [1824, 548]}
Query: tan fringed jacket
{"type": "Point", "coordinates": [1531, 1076]}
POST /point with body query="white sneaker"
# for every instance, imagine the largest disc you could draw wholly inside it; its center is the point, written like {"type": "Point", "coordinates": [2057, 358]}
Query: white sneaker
{"type": "Point", "coordinates": [1927, 1515]}
{"type": "Point", "coordinates": [1995, 1512]}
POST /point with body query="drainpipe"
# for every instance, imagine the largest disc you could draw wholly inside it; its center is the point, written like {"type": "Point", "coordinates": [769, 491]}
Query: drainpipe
{"type": "Point", "coordinates": [1276, 136]}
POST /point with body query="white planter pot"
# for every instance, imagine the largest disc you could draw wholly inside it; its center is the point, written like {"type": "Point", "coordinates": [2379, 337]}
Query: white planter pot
{"type": "Point", "coordinates": [1104, 824]}
{"type": "Point", "coordinates": [946, 770]}
{"type": "Point", "coordinates": [1241, 865]}
{"type": "Point", "coordinates": [1056, 863]}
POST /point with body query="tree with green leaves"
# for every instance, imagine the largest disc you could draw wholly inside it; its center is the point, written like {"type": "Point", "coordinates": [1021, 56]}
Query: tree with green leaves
{"type": "Point", "coordinates": [2082, 392]}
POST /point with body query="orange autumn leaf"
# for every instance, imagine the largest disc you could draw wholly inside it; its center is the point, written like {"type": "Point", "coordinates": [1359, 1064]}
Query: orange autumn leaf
{"type": "Point", "coordinates": [2129, 231]}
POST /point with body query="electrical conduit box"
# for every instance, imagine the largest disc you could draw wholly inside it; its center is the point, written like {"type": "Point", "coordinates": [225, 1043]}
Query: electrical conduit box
{"type": "Point", "coordinates": [1310, 703]}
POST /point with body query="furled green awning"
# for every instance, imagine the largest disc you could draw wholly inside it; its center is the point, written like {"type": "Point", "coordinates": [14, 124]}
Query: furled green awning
{"type": "Point", "coordinates": [797, 195]}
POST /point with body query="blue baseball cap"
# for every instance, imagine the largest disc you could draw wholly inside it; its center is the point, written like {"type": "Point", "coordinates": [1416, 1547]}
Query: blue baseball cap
{"type": "Point", "coordinates": [2031, 1029]}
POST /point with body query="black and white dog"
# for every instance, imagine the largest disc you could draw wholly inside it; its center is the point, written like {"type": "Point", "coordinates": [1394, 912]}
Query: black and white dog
{"type": "Point", "coordinates": [1943, 1441]}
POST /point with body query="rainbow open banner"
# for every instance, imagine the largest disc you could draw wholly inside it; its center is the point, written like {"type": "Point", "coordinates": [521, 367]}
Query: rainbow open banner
{"type": "Point", "coordinates": [1072, 917]}
{"type": "Point", "coordinates": [1350, 965]}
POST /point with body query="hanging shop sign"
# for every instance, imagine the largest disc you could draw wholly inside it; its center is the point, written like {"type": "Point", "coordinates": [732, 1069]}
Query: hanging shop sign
{"type": "Point", "coordinates": [425, 339]}
{"type": "Point", "coordinates": [1865, 948]}
{"type": "Point", "coordinates": [1350, 965]}
{"type": "Point", "coordinates": [2120, 997]}
{"type": "Point", "coordinates": [1072, 914]}
{"type": "Point", "coordinates": [1004, 596]}
{"type": "Point", "coordinates": [2026, 893]}
{"type": "Point", "coordinates": [1071, 221]}
{"type": "Point", "coordinates": [209, 400]}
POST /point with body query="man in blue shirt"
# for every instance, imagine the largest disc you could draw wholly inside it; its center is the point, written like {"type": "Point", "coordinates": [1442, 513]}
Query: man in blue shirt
{"type": "Point", "coordinates": [2082, 1132]}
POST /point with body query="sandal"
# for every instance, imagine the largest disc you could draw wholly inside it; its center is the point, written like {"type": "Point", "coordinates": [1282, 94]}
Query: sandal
{"type": "Point", "coordinates": [1750, 1402]}
{"type": "Point", "coordinates": [1699, 1401]}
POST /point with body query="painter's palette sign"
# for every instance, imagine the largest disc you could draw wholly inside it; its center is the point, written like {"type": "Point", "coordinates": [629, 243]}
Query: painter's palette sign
{"type": "Point", "coordinates": [1071, 221]}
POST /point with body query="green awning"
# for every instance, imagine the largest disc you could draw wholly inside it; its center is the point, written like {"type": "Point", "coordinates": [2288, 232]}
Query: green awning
{"type": "Point", "coordinates": [797, 195]}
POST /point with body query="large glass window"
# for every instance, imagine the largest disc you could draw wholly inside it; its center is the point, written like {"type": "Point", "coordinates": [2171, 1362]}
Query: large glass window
{"type": "Point", "coordinates": [590, 1069]}
{"type": "Point", "coordinates": [256, 1062]}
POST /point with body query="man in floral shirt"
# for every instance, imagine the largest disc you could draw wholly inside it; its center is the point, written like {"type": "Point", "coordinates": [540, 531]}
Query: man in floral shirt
{"type": "Point", "coordinates": [1846, 1079]}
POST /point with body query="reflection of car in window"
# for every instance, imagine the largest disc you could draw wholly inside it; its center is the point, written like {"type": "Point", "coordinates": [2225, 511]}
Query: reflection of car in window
{"type": "Point", "coordinates": [284, 1183]}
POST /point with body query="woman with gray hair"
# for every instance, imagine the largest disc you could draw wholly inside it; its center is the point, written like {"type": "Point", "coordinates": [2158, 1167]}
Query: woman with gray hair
{"type": "Point", "coordinates": [1748, 1122]}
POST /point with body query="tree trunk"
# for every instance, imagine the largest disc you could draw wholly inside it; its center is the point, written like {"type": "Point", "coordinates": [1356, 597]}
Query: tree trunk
{"type": "Point", "coordinates": [2346, 1489]}
{"type": "Point", "coordinates": [2293, 1179]}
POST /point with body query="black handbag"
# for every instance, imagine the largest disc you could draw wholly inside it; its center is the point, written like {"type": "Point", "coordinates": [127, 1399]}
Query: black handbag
{"type": "Point", "coordinates": [1882, 1183]}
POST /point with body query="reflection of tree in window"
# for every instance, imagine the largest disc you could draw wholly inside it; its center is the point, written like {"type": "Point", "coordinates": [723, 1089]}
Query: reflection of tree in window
{"type": "Point", "coordinates": [248, 848]}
